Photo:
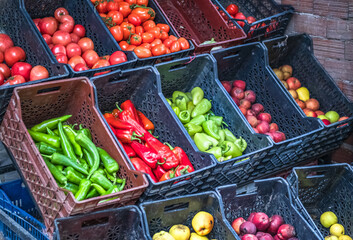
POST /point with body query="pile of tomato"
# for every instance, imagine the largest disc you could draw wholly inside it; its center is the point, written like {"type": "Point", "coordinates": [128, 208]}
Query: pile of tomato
{"type": "Point", "coordinates": [132, 25]}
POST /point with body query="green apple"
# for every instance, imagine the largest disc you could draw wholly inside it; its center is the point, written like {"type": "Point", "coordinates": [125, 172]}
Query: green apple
{"type": "Point", "coordinates": [332, 116]}
{"type": "Point", "coordinates": [331, 237]}
{"type": "Point", "coordinates": [327, 219]}
{"type": "Point", "coordinates": [337, 230]}
{"type": "Point", "coordinates": [323, 117]}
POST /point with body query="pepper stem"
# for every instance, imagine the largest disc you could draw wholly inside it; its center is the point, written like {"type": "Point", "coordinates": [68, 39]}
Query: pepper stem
{"type": "Point", "coordinates": [170, 146]}
{"type": "Point", "coordinates": [117, 106]}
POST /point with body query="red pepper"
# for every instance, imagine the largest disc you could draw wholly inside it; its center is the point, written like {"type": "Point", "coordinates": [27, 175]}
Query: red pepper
{"type": "Point", "coordinates": [117, 123]}
{"type": "Point", "coordinates": [182, 170]}
{"type": "Point", "coordinates": [168, 175]}
{"type": "Point", "coordinates": [146, 123]}
{"type": "Point", "coordinates": [148, 155]}
{"type": "Point", "coordinates": [127, 136]}
{"type": "Point", "coordinates": [113, 129]}
{"type": "Point", "coordinates": [129, 151]}
{"type": "Point", "coordinates": [159, 171]}
{"type": "Point", "coordinates": [143, 167]}
{"type": "Point", "coordinates": [129, 106]}
{"type": "Point", "coordinates": [182, 157]}
{"type": "Point", "coordinates": [107, 115]}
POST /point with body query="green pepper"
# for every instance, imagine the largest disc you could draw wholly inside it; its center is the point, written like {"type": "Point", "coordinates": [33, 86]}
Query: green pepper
{"type": "Point", "coordinates": [241, 144]}
{"type": "Point", "coordinates": [60, 167]}
{"type": "Point", "coordinates": [181, 103]}
{"type": "Point", "coordinates": [198, 120]}
{"type": "Point", "coordinates": [101, 191]}
{"type": "Point", "coordinates": [53, 141]}
{"type": "Point", "coordinates": [100, 179]}
{"type": "Point", "coordinates": [88, 157]}
{"type": "Point", "coordinates": [216, 151]}
{"type": "Point", "coordinates": [204, 142]}
{"type": "Point", "coordinates": [57, 158]}
{"type": "Point", "coordinates": [46, 148]}
{"type": "Point", "coordinates": [179, 95]}
{"type": "Point", "coordinates": [119, 180]}
{"type": "Point", "coordinates": [50, 123]}
{"type": "Point", "coordinates": [70, 187]}
{"type": "Point", "coordinates": [218, 120]}
{"type": "Point", "coordinates": [197, 95]}
{"type": "Point", "coordinates": [193, 129]}
{"type": "Point", "coordinates": [229, 135]}
{"type": "Point", "coordinates": [201, 108]}
{"type": "Point", "coordinates": [184, 116]}
{"type": "Point", "coordinates": [109, 163]}
{"type": "Point", "coordinates": [83, 189]}
{"type": "Point", "coordinates": [92, 193]}
{"type": "Point", "coordinates": [121, 187]}
{"type": "Point", "coordinates": [50, 132]}
{"type": "Point", "coordinates": [84, 164]}
{"type": "Point", "coordinates": [176, 110]}
{"type": "Point", "coordinates": [65, 144]}
{"type": "Point", "coordinates": [190, 107]}
{"type": "Point", "coordinates": [110, 176]}
{"type": "Point", "coordinates": [221, 159]}
{"type": "Point", "coordinates": [86, 131]}
{"type": "Point", "coordinates": [101, 170]}
{"type": "Point", "coordinates": [70, 133]}
{"type": "Point", "coordinates": [73, 176]}
{"type": "Point", "coordinates": [56, 173]}
{"type": "Point", "coordinates": [230, 149]}
{"type": "Point", "coordinates": [168, 101]}
{"type": "Point", "coordinates": [211, 129]}
{"type": "Point", "coordinates": [189, 95]}
{"type": "Point", "coordinates": [222, 135]}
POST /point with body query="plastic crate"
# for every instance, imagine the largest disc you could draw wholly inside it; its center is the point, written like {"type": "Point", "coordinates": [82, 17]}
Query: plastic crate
{"type": "Point", "coordinates": [14, 24]}
{"type": "Point", "coordinates": [183, 75]}
{"type": "Point", "coordinates": [34, 104]}
{"type": "Point", "coordinates": [121, 223]}
{"type": "Point", "coordinates": [324, 188]}
{"type": "Point", "coordinates": [159, 18]}
{"type": "Point", "coordinates": [162, 215]}
{"type": "Point", "coordinates": [272, 19]}
{"type": "Point", "coordinates": [142, 87]}
{"type": "Point", "coordinates": [82, 13]}
{"type": "Point", "coordinates": [271, 196]}
{"type": "Point", "coordinates": [249, 63]}
{"type": "Point", "coordinates": [200, 21]}
{"type": "Point", "coordinates": [18, 206]}
{"type": "Point", "coordinates": [297, 51]}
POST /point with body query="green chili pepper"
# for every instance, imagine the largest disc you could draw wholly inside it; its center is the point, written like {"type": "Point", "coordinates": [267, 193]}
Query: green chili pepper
{"type": "Point", "coordinates": [180, 95]}
{"type": "Point", "coordinates": [201, 108]}
{"type": "Point", "coordinates": [56, 131]}
{"type": "Point", "coordinates": [198, 120]}
{"type": "Point", "coordinates": [113, 189]}
{"type": "Point", "coordinates": [60, 167]}
{"type": "Point", "coordinates": [193, 129]}
{"type": "Point", "coordinates": [217, 119]}
{"type": "Point", "coordinates": [65, 144]}
{"type": "Point", "coordinates": [84, 164]}
{"type": "Point", "coordinates": [190, 107]}
{"type": "Point", "coordinates": [101, 191]}
{"type": "Point", "coordinates": [168, 101]}
{"type": "Point", "coordinates": [86, 131]}
{"type": "Point", "coordinates": [197, 95]}
{"type": "Point", "coordinates": [229, 135]}
{"type": "Point", "coordinates": [87, 144]}
{"type": "Point", "coordinates": [92, 193]}
{"type": "Point", "coordinates": [184, 116]}
{"type": "Point", "coordinates": [50, 123]}
{"type": "Point", "coordinates": [53, 141]}
{"type": "Point", "coordinates": [46, 149]}
{"type": "Point", "coordinates": [73, 176]}
{"type": "Point", "coordinates": [109, 163]}
{"type": "Point", "coordinates": [241, 144]}
{"type": "Point", "coordinates": [222, 135]}
{"type": "Point", "coordinates": [204, 142]}
{"type": "Point", "coordinates": [88, 157]}
{"type": "Point", "coordinates": [110, 176]}
{"type": "Point", "coordinates": [83, 189]}
{"type": "Point", "coordinates": [100, 179]}
{"type": "Point", "coordinates": [211, 129]}
{"type": "Point", "coordinates": [101, 170]}
{"type": "Point", "coordinates": [176, 110]}
{"type": "Point", "coordinates": [189, 95]}
{"type": "Point", "coordinates": [57, 158]}
{"type": "Point", "coordinates": [50, 132]}
{"type": "Point", "coordinates": [216, 151]}
{"type": "Point", "coordinates": [119, 180]}
{"type": "Point", "coordinates": [230, 149]}
{"type": "Point", "coordinates": [56, 172]}
{"type": "Point", "coordinates": [181, 103]}
{"type": "Point", "coordinates": [70, 133]}
{"type": "Point", "coordinates": [70, 187]}
{"type": "Point", "coordinates": [121, 187]}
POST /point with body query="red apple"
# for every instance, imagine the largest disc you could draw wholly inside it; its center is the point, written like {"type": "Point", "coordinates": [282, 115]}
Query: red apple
{"type": "Point", "coordinates": [250, 95]}
{"type": "Point", "coordinates": [312, 104]}
{"type": "Point", "coordinates": [273, 127]}
{"type": "Point", "coordinates": [270, 134]}
{"type": "Point", "coordinates": [300, 103]}
{"type": "Point", "coordinates": [318, 112]}
{"type": "Point", "coordinates": [255, 130]}
{"type": "Point", "coordinates": [276, 238]}
{"type": "Point", "coordinates": [252, 120]}
{"type": "Point", "coordinates": [263, 127]}
{"type": "Point", "coordinates": [261, 221]}
{"type": "Point", "coordinates": [227, 86]}
{"type": "Point", "coordinates": [236, 100]}
{"type": "Point", "coordinates": [249, 237]}
{"type": "Point", "coordinates": [250, 218]}
{"type": "Point", "coordinates": [279, 136]}
{"type": "Point", "coordinates": [245, 103]}
{"type": "Point", "coordinates": [263, 236]}
{"type": "Point", "coordinates": [309, 113]}
{"type": "Point", "coordinates": [326, 122]}
{"type": "Point", "coordinates": [250, 112]}
{"type": "Point", "coordinates": [243, 110]}
{"type": "Point", "coordinates": [239, 84]}
{"type": "Point", "coordinates": [293, 93]}
{"type": "Point", "coordinates": [293, 83]}
{"type": "Point", "coordinates": [236, 224]}
{"type": "Point", "coordinates": [285, 232]}
{"type": "Point", "coordinates": [257, 108]}
{"type": "Point", "coordinates": [343, 118]}
{"type": "Point", "coordinates": [275, 222]}
{"type": "Point", "coordinates": [238, 93]}
{"type": "Point", "coordinates": [247, 228]}
{"type": "Point", "coordinates": [265, 117]}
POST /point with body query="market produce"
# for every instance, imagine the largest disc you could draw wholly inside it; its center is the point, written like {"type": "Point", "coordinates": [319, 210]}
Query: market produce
{"type": "Point", "coordinates": [74, 161]}
{"type": "Point", "coordinates": [260, 227]}
{"type": "Point", "coordinates": [260, 121]}
{"type": "Point", "coordinates": [132, 25]}
{"type": "Point", "coordinates": [69, 45]}
{"type": "Point", "coordinates": [148, 155]}
{"type": "Point", "coordinates": [301, 94]}
{"type": "Point", "coordinates": [180, 232]}
{"type": "Point", "coordinates": [329, 220]}
{"type": "Point", "coordinates": [13, 69]}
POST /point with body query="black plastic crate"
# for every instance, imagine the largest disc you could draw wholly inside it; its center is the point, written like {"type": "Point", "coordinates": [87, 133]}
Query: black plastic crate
{"type": "Point", "coordinates": [297, 51]}
{"type": "Point", "coordinates": [82, 13]}
{"type": "Point", "coordinates": [272, 19]}
{"type": "Point", "coordinates": [162, 215]}
{"type": "Point", "coordinates": [324, 188]}
{"type": "Point", "coordinates": [120, 223]}
{"type": "Point", "coordinates": [249, 63]}
{"type": "Point", "coordinates": [14, 24]}
{"type": "Point", "coordinates": [183, 75]}
{"type": "Point", "coordinates": [271, 196]}
{"type": "Point", "coordinates": [142, 87]}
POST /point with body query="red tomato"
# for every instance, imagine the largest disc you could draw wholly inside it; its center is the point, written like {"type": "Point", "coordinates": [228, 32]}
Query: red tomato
{"type": "Point", "coordinates": [117, 33]}
{"type": "Point", "coordinates": [80, 67]}
{"type": "Point", "coordinates": [175, 47]}
{"type": "Point", "coordinates": [5, 70]}
{"type": "Point", "coordinates": [101, 63]}
{"type": "Point", "coordinates": [130, 2]}
{"type": "Point", "coordinates": [59, 13]}
{"type": "Point", "coordinates": [146, 45]}
{"type": "Point", "coordinates": [148, 25]}
{"type": "Point", "coordinates": [36, 22]}
{"type": "Point", "coordinates": [21, 68]}
{"type": "Point", "coordinates": [147, 37]}
{"type": "Point", "coordinates": [240, 15]}
{"type": "Point", "coordinates": [5, 42]}
{"type": "Point", "coordinates": [103, 15]}
{"type": "Point", "coordinates": [74, 38]}
{"type": "Point", "coordinates": [116, 17]}
{"type": "Point", "coordinates": [142, 2]}
{"type": "Point", "coordinates": [17, 79]}
{"type": "Point", "coordinates": [1, 57]}
{"type": "Point", "coordinates": [90, 57]}
{"type": "Point", "coordinates": [124, 8]}
{"type": "Point", "coordinates": [156, 42]}
{"type": "Point", "coordinates": [251, 19]}
{"type": "Point", "coordinates": [164, 27]}
{"type": "Point", "coordinates": [123, 45]}
{"type": "Point", "coordinates": [184, 44]}
{"type": "Point", "coordinates": [131, 48]}
{"type": "Point", "coordinates": [86, 44]}
{"type": "Point", "coordinates": [164, 36]}
{"type": "Point", "coordinates": [168, 42]}
{"type": "Point", "coordinates": [167, 51]}
{"type": "Point", "coordinates": [73, 49]}
{"type": "Point", "coordinates": [159, 49]}
{"type": "Point", "coordinates": [47, 38]}
{"type": "Point", "coordinates": [105, 57]}
{"type": "Point", "coordinates": [67, 24]}
{"type": "Point", "coordinates": [142, 52]}
{"type": "Point", "coordinates": [117, 57]}
{"type": "Point", "coordinates": [48, 25]}
{"type": "Point", "coordinates": [58, 49]}
{"type": "Point", "coordinates": [232, 9]}
{"type": "Point", "coordinates": [145, 13]}
{"type": "Point", "coordinates": [61, 37]}
{"type": "Point", "coordinates": [139, 30]}
{"type": "Point", "coordinates": [75, 60]}
{"type": "Point", "coordinates": [2, 79]}
{"type": "Point", "coordinates": [134, 19]}
{"type": "Point", "coordinates": [127, 29]}
{"type": "Point", "coordinates": [13, 55]}
{"type": "Point", "coordinates": [61, 58]}
{"type": "Point", "coordinates": [79, 30]}
{"type": "Point", "coordinates": [135, 39]}
{"type": "Point", "coordinates": [102, 6]}
{"type": "Point", "coordinates": [38, 72]}
{"type": "Point", "coordinates": [112, 6]}
{"type": "Point", "coordinates": [156, 31]}
{"type": "Point", "coordinates": [172, 37]}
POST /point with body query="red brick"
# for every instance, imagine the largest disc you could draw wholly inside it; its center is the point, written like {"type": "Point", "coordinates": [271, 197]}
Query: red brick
{"type": "Point", "coordinates": [339, 29]}
{"type": "Point", "coordinates": [300, 6]}
{"type": "Point", "coordinates": [329, 48]}
{"type": "Point", "coordinates": [347, 88]}
{"type": "Point", "coordinates": [348, 50]}
{"type": "Point", "coordinates": [340, 70]}
{"type": "Point", "coordinates": [311, 24]}
{"type": "Point", "coordinates": [329, 8]}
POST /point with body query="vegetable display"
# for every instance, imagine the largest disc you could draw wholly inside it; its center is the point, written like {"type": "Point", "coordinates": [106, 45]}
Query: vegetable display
{"type": "Point", "coordinates": [74, 161]}
{"type": "Point", "coordinates": [132, 25]}
{"type": "Point", "coordinates": [148, 155]}
{"type": "Point", "coordinates": [206, 129]}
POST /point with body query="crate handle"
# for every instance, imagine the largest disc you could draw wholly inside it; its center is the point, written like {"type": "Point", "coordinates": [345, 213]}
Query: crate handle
{"type": "Point", "coordinates": [177, 67]}
{"type": "Point", "coordinates": [232, 55]}
{"type": "Point", "coordinates": [176, 207]}
{"type": "Point", "coordinates": [48, 90]}
{"type": "Point", "coordinates": [116, 79]}
{"type": "Point", "coordinates": [94, 222]}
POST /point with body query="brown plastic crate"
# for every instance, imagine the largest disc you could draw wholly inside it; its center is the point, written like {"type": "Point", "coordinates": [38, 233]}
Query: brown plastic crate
{"type": "Point", "coordinates": [30, 105]}
{"type": "Point", "coordinates": [200, 21]}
